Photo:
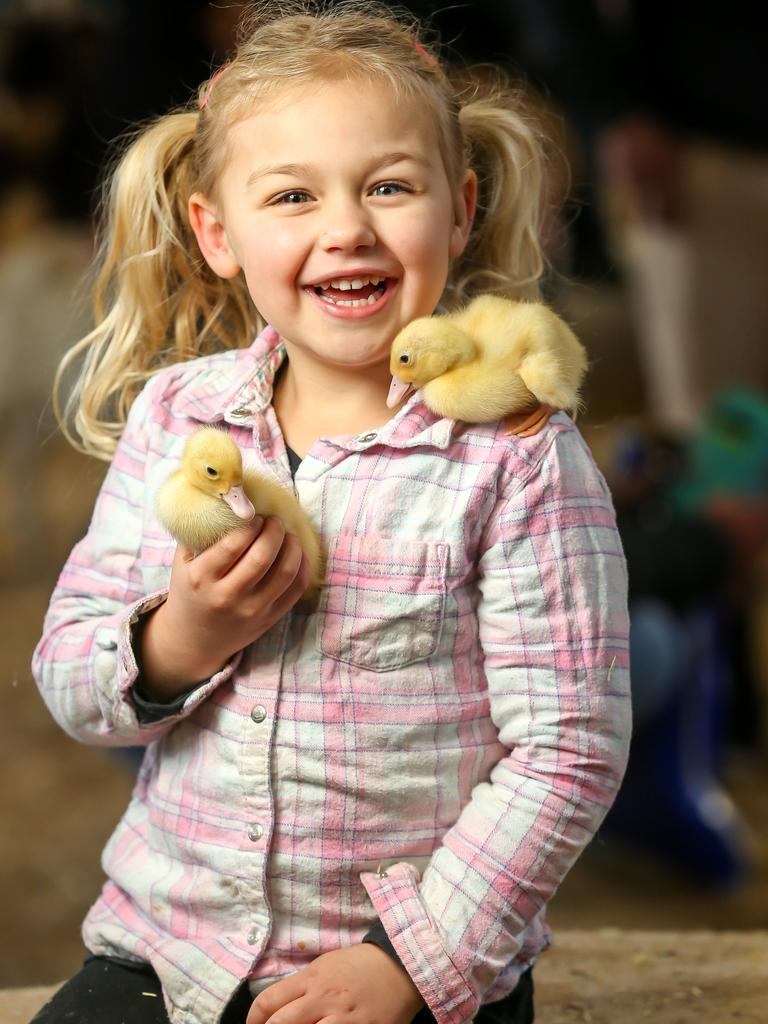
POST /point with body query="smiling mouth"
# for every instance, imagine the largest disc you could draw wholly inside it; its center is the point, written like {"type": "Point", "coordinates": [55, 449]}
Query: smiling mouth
{"type": "Point", "coordinates": [352, 292]}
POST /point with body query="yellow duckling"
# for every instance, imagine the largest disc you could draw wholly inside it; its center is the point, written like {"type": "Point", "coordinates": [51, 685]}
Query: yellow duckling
{"type": "Point", "coordinates": [211, 495]}
{"type": "Point", "coordinates": [488, 361]}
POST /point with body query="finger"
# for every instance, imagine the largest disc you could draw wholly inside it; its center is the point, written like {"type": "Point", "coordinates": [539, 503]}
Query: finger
{"type": "Point", "coordinates": [264, 564]}
{"type": "Point", "coordinates": [282, 573]}
{"type": "Point", "coordinates": [275, 996]}
{"type": "Point", "coordinates": [284, 601]}
{"type": "Point", "coordinates": [257, 564]}
{"type": "Point", "coordinates": [290, 599]}
{"type": "Point", "coordinates": [217, 560]}
{"type": "Point", "coordinates": [304, 1010]}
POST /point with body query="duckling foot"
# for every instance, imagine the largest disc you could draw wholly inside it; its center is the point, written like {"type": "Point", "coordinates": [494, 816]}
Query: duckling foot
{"type": "Point", "coordinates": [526, 424]}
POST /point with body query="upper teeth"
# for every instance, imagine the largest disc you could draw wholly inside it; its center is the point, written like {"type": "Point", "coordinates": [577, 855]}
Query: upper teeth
{"type": "Point", "coordinates": [346, 284]}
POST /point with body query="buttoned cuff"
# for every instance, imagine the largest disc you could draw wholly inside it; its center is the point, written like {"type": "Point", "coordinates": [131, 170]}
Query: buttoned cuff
{"type": "Point", "coordinates": [418, 943]}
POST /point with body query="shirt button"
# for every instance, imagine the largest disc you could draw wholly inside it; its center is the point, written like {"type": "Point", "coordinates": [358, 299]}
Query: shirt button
{"type": "Point", "coordinates": [367, 437]}
{"type": "Point", "coordinates": [259, 713]}
{"type": "Point", "coordinates": [253, 937]}
{"type": "Point", "coordinates": [255, 832]}
{"type": "Point", "coordinates": [242, 410]}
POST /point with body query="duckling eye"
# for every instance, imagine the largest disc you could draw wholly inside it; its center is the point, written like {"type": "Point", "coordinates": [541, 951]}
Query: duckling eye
{"type": "Point", "coordinates": [211, 471]}
{"type": "Point", "coordinates": [405, 359]}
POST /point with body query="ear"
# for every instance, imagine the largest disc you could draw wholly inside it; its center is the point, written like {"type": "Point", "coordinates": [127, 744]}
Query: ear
{"type": "Point", "coordinates": [212, 237]}
{"type": "Point", "coordinates": [465, 203]}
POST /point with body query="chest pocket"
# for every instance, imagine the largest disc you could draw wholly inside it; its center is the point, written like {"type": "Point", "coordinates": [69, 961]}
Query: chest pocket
{"type": "Point", "coordinates": [384, 601]}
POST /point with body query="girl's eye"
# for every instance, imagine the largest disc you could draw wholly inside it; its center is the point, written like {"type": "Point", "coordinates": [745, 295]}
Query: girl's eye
{"type": "Point", "coordinates": [292, 198]}
{"type": "Point", "coordinates": [388, 188]}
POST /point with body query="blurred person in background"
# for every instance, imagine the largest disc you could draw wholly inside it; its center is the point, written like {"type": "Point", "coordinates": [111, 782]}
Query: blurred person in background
{"type": "Point", "coordinates": [671, 103]}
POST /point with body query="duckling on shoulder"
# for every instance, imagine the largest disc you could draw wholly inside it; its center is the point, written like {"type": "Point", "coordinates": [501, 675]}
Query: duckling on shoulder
{"type": "Point", "coordinates": [211, 495]}
{"type": "Point", "coordinates": [489, 361]}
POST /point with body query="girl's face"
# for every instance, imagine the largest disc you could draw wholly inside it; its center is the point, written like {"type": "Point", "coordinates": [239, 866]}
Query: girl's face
{"type": "Point", "coordinates": [336, 205]}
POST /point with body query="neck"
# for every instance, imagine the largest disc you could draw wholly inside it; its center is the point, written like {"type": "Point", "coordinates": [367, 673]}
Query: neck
{"type": "Point", "coordinates": [312, 400]}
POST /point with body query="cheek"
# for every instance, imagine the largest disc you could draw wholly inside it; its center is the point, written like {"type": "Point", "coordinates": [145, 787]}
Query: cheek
{"type": "Point", "coordinates": [428, 239]}
{"type": "Point", "coordinates": [271, 259]}
{"type": "Point", "coordinates": [426, 253]}
{"type": "Point", "coordinates": [269, 252]}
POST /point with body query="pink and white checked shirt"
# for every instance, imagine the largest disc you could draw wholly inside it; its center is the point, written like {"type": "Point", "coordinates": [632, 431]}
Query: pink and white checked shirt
{"type": "Point", "coordinates": [434, 746]}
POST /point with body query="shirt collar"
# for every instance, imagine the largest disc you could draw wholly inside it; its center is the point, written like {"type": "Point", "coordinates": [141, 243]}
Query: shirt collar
{"type": "Point", "coordinates": [214, 398]}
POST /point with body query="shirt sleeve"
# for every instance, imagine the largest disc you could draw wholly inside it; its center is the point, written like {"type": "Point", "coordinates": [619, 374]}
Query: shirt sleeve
{"type": "Point", "coordinates": [553, 625]}
{"type": "Point", "coordinates": [84, 664]}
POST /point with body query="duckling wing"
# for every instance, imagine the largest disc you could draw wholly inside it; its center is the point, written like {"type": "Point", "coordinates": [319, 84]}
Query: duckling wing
{"type": "Point", "coordinates": [529, 341]}
{"type": "Point", "coordinates": [478, 393]}
{"type": "Point", "coordinates": [556, 362]}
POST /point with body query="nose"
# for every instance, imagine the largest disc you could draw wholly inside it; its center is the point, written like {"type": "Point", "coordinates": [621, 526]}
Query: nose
{"type": "Point", "coordinates": [347, 227]}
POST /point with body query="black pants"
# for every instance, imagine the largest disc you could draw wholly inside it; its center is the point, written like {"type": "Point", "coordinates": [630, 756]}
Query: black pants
{"type": "Point", "coordinates": [107, 990]}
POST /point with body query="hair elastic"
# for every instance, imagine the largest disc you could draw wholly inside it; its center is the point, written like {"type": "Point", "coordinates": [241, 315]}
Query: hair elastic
{"type": "Point", "coordinates": [211, 84]}
{"type": "Point", "coordinates": [427, 56]}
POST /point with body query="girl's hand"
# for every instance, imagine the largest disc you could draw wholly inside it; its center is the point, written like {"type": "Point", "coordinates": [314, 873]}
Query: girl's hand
{"type": "Point", "coordinates": [357, 985]}
{"type": "Point", "coordinates": [219, 602]}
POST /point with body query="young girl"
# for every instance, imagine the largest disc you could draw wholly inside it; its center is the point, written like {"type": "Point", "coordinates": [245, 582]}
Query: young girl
{"type": "Point", "coordinates": [355, 813]}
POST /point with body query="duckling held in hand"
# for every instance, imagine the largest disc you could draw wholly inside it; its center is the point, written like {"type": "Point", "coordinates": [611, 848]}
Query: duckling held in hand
{"type": "Point", "coordinates": [212, 494]}
{"type": "Point", "coordinates": [491, 360]}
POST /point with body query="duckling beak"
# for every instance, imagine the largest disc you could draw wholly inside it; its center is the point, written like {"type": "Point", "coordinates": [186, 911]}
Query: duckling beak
{"type": "Point", "coordinates": [398, 391]}
{"type": "Point", "coordinates": [240, 505]}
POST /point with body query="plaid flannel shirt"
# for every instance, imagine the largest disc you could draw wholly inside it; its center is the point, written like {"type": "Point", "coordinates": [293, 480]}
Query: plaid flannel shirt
{"type": "Point", "coordinates": [433, 746]}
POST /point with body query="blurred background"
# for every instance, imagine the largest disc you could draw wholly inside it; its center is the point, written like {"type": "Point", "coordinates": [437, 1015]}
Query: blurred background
{"type": "Point", "coordinates": [657, 238]}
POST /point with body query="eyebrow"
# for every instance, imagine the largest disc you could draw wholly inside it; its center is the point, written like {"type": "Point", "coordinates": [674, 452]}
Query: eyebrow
{"type": "Point", "coordinates": [295, 170]}
{"type": "Point", "coordinates": [300, 170]}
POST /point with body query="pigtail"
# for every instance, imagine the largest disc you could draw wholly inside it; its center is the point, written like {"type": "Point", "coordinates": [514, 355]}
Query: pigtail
{"type": "Point", "coordinates": [156, 302]}
{"type": "Point", "coordinates": [503, 146]}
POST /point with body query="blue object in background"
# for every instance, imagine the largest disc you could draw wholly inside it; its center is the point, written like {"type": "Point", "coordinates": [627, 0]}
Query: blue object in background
{"type": "Point", "coordinates": [672, 803]}
{"type": "Point", "coordinates": [660, 654]}
{"type": "Point", "coordinates": [728, 454]}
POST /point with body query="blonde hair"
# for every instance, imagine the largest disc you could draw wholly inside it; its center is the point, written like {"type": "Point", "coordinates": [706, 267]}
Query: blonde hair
{"type": "Point", "coordinates": [157, 302]}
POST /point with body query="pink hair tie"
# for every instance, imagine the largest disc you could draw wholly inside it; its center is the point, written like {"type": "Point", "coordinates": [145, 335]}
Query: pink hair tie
{"type": "Point", "coordinates": [211, 84]}
{"type": "Point", "coordinates": [427, 56]}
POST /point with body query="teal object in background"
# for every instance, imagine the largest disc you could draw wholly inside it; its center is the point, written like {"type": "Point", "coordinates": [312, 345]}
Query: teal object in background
{"type": "Point", "coordinates": [728, 454]}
